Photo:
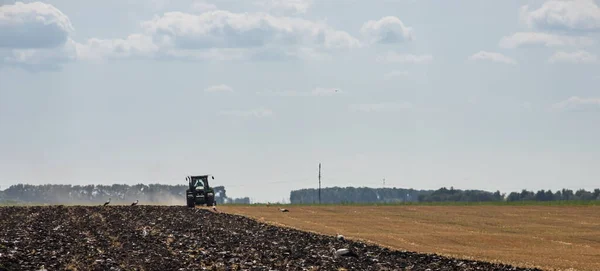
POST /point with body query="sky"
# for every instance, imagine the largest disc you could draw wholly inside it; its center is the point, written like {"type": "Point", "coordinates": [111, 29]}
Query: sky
{"type": "Point", "coordinates": [492, 95]}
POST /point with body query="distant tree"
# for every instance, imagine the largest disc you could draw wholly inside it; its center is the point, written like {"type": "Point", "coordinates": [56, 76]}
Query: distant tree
{"type": "Point", "coordinates": [513, 196]}
{"type": "Point", "coordinates": [568, 194]}
{"type": "Point", "coordinates": [558, 195]}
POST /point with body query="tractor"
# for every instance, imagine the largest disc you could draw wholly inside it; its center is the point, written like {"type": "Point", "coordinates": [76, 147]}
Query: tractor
{"type": "Point", "coordinates": [199, 192]}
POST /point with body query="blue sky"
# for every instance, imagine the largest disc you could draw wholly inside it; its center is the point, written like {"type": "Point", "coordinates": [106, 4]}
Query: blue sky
{"type": "Point", "coordinates": [495, 95]}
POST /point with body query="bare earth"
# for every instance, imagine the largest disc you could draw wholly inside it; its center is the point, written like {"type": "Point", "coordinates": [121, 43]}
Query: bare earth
{"type": "Point", "coordinates": [550, 238]}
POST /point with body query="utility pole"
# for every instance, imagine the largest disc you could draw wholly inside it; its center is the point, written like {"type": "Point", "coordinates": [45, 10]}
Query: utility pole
{"type": "Point", "coordinates": [319, 183]}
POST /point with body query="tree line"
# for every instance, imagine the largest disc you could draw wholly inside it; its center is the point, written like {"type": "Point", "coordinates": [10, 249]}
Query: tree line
{"type": "Point", "coordinates": [175, 194]}
{"type": "Point", "coordinates": [119, 193]}
{"type": "Point", "coordinates": [337, 195]}
{"type": "Point", "coordinates": [355, 194]}
{"type": "Point", "coordinates": [564, 194]}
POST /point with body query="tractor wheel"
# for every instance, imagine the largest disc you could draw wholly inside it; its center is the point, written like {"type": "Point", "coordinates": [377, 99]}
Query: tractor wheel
{"type": "Point", "coordinates": [191, 203]}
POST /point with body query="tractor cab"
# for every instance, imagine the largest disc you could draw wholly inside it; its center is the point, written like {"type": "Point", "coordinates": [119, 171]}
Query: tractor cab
{"type": "Point", "coordinates": [199, 191]}
{"type": "Point", "coordinates": [199, 182]}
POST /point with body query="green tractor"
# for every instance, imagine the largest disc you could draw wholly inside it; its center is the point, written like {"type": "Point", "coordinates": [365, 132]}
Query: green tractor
{"type": "Point", "coordinates": [199, 192]}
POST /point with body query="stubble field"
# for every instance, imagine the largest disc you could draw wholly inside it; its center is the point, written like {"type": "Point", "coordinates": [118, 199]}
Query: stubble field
{"type": "Point", "coordinates": [547, 237]}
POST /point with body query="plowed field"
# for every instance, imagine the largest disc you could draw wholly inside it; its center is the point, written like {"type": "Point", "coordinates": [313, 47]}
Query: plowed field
{"type": "Point", "coordinates": [179, 238]}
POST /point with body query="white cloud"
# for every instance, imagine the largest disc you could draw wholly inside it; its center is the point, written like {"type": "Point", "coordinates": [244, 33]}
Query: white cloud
{"type": "Point", "coordinates": [386, 30]}
{"type": "Point", "coordinates": [201, 6]}
{"type": "Point", "coordinates": [35, 36]}
{"type": "Point", "coordinates": [33, 25]}
{"type": "Point", "coordinates": [522, 39]}
{"type": "Point", "coordinates": [224, 29]}
{"type": "Point", "coordinates": [251, 113]}
{"type": "Point", "coordinates": [135, 45]}
{"type": "Point", "coordinates": [560, 23]}
{"type": "Point", "coordinates": [405, 58]}
{"type": "Point", "coordinates": [576, 103]}
{"type": "Point", "coordinates": [380, 107]}
{"type": "Point", "coordinates": [223, 35]}
{"type": "Point", "coordinates": [561, 15]}
{"type": "Point", "coordinates": [219, 88]}
{"type": "Point", "coordinates": [318, 91]}
{"type": "Point", "coordinates": [492, 56]}
{"type": "Point", "coordinates": [285, 6]}
{"type": "Point", "coordinates": [393, 74]}
{"type": "Point", "coordinates": [579, 56]}
{"type": "Point", "coordinates": [36, 60]}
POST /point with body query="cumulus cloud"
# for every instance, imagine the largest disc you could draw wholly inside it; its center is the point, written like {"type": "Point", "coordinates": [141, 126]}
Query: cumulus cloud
{"type": "Point", "coordinates": [285, 6]}
{"type": "Point", "coordinates": [561, 15]}
{"type": "Point", "coordinates": [386, 30]}
{"type": "Point", "coordinates": [380, 107]}
{"type": "Point", "coordinates": [37, 60]}
{"type": "Point", "coordinates": [135, 45]}
{"type": "Point", "coordinates": [210, 35]}
{"type": "Point", "coordinates": [579, 56]}
{"type": "Point", "coordinates": [35, 36]}
{"type": "Point", "coordinates": [404, 58]}
{"type": "Point", "coordinates": [492, 56]}
{"type": "Point", "coordinates": [576, 103]}
{"type": "Point", "coordinates": [219, 88]}
{"type": "Point", "coordinates": [260, 112]}
{"type": "Point", "coordinates": [528, 39]}
{"type": "Point", "coordinates": [557, 23]}
{"type": "Point", "coordinates": [224, 35]}
{"type": "Point", "coordinates": [33, 25]}
{"type": "Point", "coordinates": [224, 29]}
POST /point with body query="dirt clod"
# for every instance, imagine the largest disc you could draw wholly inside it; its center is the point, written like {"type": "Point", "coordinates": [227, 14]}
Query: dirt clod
{"type": "Point", "coordinates": [180, 238]}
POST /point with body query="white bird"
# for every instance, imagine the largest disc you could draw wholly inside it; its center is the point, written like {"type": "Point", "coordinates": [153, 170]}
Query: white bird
{"type": "Point", "coordinates": [284, 210]}
{"type": "Point", "coordinates": [135, 203]}
{"type": "Point", "coordinates": [214, 207]}
{"type": "Point", "coordinates": [107, 202]}
{"type": "Point", "coordinates": [343, 252]}
{"type": "Point", "coordinates": [340, 237]}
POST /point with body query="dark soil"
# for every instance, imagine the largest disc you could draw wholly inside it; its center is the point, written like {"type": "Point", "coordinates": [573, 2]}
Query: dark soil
{"type": "Point", "coordinates": [179, 238]}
